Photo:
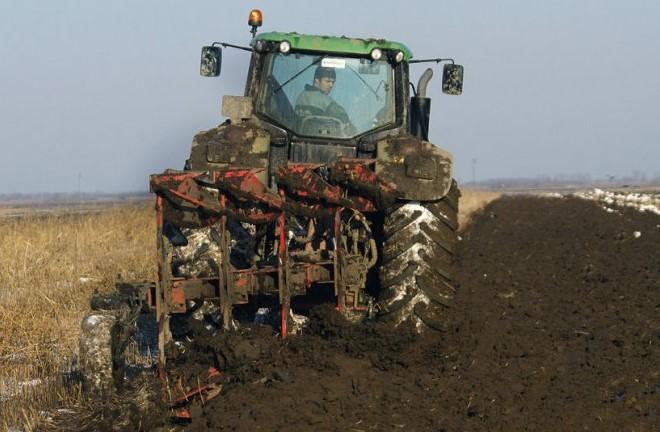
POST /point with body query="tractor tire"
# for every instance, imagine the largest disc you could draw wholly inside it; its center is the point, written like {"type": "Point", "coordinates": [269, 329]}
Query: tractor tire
{"type": "Point", "coordinates": [96, 353]}
{"type": "Point", "coordinates": [416, 282]}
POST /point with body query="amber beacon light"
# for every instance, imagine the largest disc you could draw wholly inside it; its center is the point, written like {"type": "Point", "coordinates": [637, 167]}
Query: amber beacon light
{"type": "Point", "coordinates": [255, 19]}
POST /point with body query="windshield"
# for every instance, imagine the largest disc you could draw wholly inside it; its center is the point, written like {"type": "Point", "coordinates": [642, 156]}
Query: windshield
{"type": "Point", "coordinates": [327, 96]}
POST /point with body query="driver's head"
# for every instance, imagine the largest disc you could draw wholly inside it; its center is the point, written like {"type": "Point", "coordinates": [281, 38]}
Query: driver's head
{"type": "Point", "coordinates": [324, 79]}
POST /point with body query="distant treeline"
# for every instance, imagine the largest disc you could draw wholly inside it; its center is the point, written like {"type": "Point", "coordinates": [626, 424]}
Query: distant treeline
{"type": "Point", "coordinates": [61, 197]}
{"type": "Point", "coordinates": [574, 181]}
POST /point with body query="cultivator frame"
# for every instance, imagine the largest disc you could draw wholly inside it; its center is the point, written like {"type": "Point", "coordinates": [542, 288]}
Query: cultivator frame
{"type": "Point", "coordinates": [311, 190]}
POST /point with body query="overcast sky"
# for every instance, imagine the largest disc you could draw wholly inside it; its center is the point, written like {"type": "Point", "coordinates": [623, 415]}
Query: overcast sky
{"type": "Point", "coordinates": [109, 92]}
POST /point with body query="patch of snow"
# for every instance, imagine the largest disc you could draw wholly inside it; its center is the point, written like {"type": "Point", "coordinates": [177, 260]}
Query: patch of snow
{"type": "Point", "coordinates": [400, 289]}
{"type": "Point", "coordinates": [425, 215]}
{"type": "Point", "coordinates": [9, 388]}
{"type": "Point", "coordinates": [66, 411]}
{"type": "Point", "coordinates": [407, 311]}
{"type": "Point", "coordinates": [298, 322]}
{"type": "Point", "coordinates": [84, 280]}
{"type": "Point", "coordinates": [262, 315]}
{"type": "Point", "coordinates": [29, 383]}
{"type": "Point", "coordinates": [15, 357]}
{"type": "Point", "coordinates": [643, 202]}
{"type": "Point", "coordinates": [93, 320]}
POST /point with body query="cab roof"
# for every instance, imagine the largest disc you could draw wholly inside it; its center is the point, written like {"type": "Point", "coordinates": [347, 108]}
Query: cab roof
{"type": "Point", "coordinates": [335, 44]}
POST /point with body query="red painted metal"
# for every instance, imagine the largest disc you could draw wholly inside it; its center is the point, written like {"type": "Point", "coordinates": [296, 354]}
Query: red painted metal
{"type": "Point", "coordinates": [183, 414]}
{"type": "Point", "coordinates": [282, 266]}
{"type": "Point", "coordinates": [197, 391]}
{"type": "Point", "coordinates": [159, 211]}
{"type": "Point", "coordinates": [301, 180]}
{"type": "Point", "coordinates": [188, 198]}
{"type": "Point", "coordinates": [283, 319]}
{"type": "Point", "coordinates": [178, 299]}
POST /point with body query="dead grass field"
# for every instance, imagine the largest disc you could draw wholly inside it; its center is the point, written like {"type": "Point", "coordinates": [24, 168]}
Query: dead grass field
{"type": "Point", "coordinates": [49, 267]}
{"type": "Point", "coordinates": [473, 201]}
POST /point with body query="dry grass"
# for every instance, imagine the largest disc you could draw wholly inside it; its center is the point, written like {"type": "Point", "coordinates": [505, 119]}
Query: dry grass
{"type": "Point", "coordinates": [49, 266]}
{"type": "Point", "coordinates": [472, 201]}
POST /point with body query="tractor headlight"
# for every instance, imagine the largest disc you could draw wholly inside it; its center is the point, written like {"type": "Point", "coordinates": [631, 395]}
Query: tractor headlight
{"type": "Point", "coordinates": [376, 54]}
{"type": "Point", "coordinates": [285, 47]}
{"type": "Point", "coordinates": [398, 56]}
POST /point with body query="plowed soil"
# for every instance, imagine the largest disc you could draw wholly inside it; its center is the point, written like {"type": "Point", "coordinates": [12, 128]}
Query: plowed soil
{"type": "Point", "coordinates": [557, 327]}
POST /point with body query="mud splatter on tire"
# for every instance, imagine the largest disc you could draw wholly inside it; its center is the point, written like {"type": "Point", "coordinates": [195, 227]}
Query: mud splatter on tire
{"type": "Point", "coordinates": [416, 280]}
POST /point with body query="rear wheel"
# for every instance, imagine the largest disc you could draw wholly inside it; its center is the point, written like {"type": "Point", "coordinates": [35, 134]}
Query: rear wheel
{"type": "Point", "coordinates": [416, 282]}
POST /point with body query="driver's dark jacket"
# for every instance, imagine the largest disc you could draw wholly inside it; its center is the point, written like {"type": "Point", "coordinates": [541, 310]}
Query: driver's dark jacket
{"type": "Point", "coordinates": [313, 102]}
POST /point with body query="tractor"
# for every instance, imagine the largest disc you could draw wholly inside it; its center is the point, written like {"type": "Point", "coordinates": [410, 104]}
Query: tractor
{"type": "Point", "coordinates": [320, 187]}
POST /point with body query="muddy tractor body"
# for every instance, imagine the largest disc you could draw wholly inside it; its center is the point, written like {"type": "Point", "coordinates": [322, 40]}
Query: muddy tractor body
{"type": "Point", "coordinates": [310, 194]}
{"type": "Point", "coordinates": [282, 206]}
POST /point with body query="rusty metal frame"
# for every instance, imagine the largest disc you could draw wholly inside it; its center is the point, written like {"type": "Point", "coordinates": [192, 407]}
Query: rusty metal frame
{"type": "Point", "coordinates": [356, 186]}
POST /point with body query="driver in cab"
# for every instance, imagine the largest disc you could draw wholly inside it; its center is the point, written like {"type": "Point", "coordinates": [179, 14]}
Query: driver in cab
{"type": "Point", "coordinates": [315, 100]}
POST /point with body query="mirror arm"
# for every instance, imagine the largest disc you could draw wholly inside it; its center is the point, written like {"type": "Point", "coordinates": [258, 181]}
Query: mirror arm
{"type": "Point", "coordinates": [436, 60]}
{"type": "Point", "coordinates": [228, 45]}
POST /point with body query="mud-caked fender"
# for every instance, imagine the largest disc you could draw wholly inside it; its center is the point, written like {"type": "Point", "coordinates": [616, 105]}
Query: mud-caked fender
{"type": "Point", "coordinates": [243, 145]}
{"type": "Point", "coordinates": [419, 170]}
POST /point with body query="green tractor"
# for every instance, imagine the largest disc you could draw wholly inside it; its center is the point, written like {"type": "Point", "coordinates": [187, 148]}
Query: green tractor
{"type": "Point", "coordinates": [321, 186]}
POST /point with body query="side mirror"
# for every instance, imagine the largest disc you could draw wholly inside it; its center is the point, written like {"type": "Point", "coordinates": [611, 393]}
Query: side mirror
{"type": "Point", "coordinates": [211, 61]}
{"type": "Point", "coordinates": [452, 79]}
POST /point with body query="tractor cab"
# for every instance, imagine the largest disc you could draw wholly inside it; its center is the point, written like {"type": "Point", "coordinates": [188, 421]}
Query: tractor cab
{"type": "Point", "coordinates": [346, 91]}
{"type": "Point", "coordinates": [332, 89]}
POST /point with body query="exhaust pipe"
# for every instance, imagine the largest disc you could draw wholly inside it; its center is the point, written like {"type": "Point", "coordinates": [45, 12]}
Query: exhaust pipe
{"type": "Point", "coordinates": [420, 108]}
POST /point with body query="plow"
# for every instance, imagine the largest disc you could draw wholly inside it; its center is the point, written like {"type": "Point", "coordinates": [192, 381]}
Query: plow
{"type": "Point", "coordinates": [306, 235]}
{"type": "Point", "coordinates": [308, 193]}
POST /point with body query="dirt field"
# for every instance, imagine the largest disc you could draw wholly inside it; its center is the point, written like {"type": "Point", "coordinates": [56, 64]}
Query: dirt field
{"type": "Point", "coordinates": [557, 328]}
